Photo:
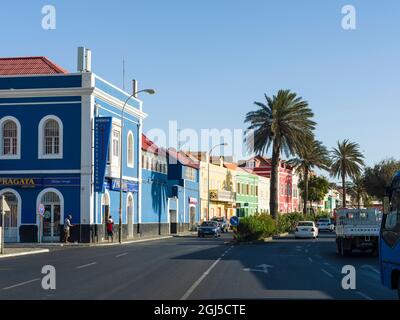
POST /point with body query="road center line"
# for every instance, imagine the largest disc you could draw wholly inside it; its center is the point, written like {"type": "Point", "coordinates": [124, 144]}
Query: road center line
{"type": "Point", "coordinates": [121, 255]}
{"type": "Point", "coordinates": [21, 284]}
{"type": "Point", "coordinates": [327, 273]}
{"type": "Point", "coordinates": [364, 295]}
{"type": "Point", "coordinates": [203, 276]}
{"type": "Point", "coordinates": [86, 265]}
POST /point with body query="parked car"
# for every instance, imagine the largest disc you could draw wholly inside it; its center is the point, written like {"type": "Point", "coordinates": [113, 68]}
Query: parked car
{"type": "Point", "coordinates": [222, 223]}
{"type": "Point", "coordinates": [325, 224]}
{"type": "Point", "coordinates": [208, 228]}
{"type": "Point", "coordinates": [306, 229]}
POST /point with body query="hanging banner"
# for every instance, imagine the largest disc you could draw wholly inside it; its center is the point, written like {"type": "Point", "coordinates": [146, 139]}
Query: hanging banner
{"type": "Point", "coordinates": [102, 131]}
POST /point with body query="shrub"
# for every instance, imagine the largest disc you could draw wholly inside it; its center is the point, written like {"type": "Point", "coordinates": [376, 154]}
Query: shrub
{"type": "Point", "coordinates": [257, 227]}
{"type": "Point", "coordinates": [287, 222]}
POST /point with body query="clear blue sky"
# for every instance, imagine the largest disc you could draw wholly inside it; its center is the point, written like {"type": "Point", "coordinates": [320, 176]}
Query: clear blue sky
{"type": "Point", "coordinates": [210, 60]}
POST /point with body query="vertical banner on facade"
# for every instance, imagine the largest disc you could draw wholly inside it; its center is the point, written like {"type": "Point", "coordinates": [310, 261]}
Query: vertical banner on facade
{"type": "Point", "coordinates": [102, 131]}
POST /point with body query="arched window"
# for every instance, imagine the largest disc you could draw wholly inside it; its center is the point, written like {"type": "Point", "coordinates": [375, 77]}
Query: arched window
{"type": "Point", "coordinates": [10, 138]}
{"type": "Point", "coordinates": [130, 150]}
{"type": "Point", "coordinates": [50, 138]}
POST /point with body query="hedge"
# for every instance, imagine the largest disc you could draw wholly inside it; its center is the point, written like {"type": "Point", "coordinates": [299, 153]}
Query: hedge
{"type": "Point", "coordinates": [261, 226]}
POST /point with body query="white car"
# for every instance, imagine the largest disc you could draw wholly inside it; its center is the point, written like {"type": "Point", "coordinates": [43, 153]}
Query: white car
{"type": "Point", "coordinates": [306, 229]}
{"type": "Point", "coordinates": [325, 224]}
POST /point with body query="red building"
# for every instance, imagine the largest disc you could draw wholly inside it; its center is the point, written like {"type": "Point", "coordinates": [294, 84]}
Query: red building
{"type": "Point", "coordinates": [288, 194]}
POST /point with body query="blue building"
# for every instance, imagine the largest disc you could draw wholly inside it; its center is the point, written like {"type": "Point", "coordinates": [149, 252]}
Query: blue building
{"type": "Point", "coordinates": [47, 152]}
{"type": "Point", "coordinates": [170, 190]}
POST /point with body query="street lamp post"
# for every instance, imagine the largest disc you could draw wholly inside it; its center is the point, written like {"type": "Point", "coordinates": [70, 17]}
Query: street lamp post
{"type": "Point", "coordinates": [149, 91]}
{"type": "Point", "coordinates": [208, 175]}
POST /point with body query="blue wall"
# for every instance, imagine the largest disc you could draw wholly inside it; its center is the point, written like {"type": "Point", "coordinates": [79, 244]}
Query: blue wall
{"type": "Point", "coordinates": [29, 196]}
{"type": "Point", "coordinates": [155, 193]}
{"type": "Point", "coordinates": [29, 117]}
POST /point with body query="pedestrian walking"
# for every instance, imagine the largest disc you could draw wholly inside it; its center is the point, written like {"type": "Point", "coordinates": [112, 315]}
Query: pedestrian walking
{"type": "Point", "coordinates": [110, 229]}
{"type": "Point", "coordinates": [67, 228]}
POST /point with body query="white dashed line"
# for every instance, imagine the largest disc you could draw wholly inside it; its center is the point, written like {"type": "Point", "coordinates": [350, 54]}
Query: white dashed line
{"type": "Point", "coordinates": [121, 255]}
{"type": "Point", "coordinates": [364, 295]}
{"type": "Point", "coordinates": [327, 273]}
{"type": "Point", "coordinates": [310, 259]}
{"type": "Point", "coordinates": [203, 276]}
{"type": "Point", "coordinates": [196, 284]}
{"type": "Point", "coordinates": [21, 284]}
{"type": "Point", "coordinates": [86, 265]}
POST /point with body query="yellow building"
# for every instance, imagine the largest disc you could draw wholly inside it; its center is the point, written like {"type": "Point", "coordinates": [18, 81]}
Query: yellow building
{"type": "Point", "coordinates": [222, 188]}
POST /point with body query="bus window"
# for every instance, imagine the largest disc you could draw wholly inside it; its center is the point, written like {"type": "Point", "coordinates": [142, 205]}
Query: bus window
{"type": "Point", "coordinates": [391, 226]}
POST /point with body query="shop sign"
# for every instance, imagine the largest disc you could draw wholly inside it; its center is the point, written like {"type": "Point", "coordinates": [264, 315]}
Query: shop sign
{"type": "Point", "coordinates": [193, 200]}
{"type": "Point", "coordinates": [127, 186]}
{"type": "Point", "coordinates": [19, 182]}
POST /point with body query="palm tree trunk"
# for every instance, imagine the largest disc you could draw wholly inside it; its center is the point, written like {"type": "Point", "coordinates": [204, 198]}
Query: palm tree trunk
{"type": "Point", "coordinates": [344, 205]}
{"type": "Point", "coordinates": [305, 191]}
{"type": "Point", "coordinates": [273, 201]}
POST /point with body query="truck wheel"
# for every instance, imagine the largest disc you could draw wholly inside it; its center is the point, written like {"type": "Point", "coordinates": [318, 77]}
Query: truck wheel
{"type": "Point", "coordinates": [344, 252]}
{"type": "Point", "coordinates": [338, 246]}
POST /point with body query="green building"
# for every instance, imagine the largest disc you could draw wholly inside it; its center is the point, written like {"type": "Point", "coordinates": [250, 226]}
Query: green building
{"type": "Point", "coordinates": [246, 193]}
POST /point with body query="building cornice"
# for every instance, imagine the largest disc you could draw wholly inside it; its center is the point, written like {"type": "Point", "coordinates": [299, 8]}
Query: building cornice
{"type": "Point", "coordinates": [119, 104]}
{"type": "Point", "coordinates": [56, 92]}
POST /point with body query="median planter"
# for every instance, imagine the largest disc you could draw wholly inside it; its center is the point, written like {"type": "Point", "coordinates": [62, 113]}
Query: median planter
{"type": "Point", "coordinates": [254, 229]}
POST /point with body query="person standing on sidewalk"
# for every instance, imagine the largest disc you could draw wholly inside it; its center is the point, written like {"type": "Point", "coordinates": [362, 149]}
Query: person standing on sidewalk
{"type": "Point", "coordinates": [110, 229]}
{"type": "Point", "coordinates": [67, 228]}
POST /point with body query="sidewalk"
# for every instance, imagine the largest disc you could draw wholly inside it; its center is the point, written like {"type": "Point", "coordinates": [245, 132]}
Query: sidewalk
{"type": "Point", "coordinates": [16, 252]}
{"type": "Point", "coordinates": [20, 249]}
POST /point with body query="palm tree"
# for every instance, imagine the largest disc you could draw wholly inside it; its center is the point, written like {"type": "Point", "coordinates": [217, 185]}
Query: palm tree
{"type": "Point", "coordinates": [313, 154]}
{"type": "Point", "coordinates": [358, 186]}
{"type": "Point", "coordinates": [347, 161]}
{"type": "Point", "coordinates": [284, 122]}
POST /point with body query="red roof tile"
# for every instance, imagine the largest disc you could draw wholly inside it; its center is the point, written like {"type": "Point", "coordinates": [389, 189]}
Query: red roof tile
{"type": "Point", "coordinates": [29, 65]}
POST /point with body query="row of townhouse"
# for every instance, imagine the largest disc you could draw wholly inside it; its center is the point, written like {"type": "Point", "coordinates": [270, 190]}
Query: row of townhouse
{"type": "Point", "coordinates": [64, 140]}
{"type": "Point", "coordinates": [61, 137]}
{"type": "Point", "coordinates": [228, 189]}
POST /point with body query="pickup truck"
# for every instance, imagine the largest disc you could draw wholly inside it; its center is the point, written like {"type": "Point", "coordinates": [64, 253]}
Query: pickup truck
{"type": "Point", "coordinates": [358, 229]}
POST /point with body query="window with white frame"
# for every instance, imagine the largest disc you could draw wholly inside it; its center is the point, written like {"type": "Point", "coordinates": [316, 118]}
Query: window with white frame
{"type": "Point", "coordinates": [50, 138]}
{"type": "Point", "coordinates": [115, 146]}
{"type": "Point", "coordinates": [10, 134]}
{"type": "Point", "coordinates": [130, 150]}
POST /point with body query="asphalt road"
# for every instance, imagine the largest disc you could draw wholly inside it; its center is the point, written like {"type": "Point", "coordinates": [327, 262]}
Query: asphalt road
{"type": "Point", "coordinates": [192, 268]}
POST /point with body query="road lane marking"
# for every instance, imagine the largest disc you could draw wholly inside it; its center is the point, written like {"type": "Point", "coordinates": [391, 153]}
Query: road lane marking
{"type": "Point", "coordinates": [196, 284]}
{"type": "Point", "coordinates": [203, 276]}
{"type": "Point", "coordinates": [121, 255]}
{"type": "Point", "coordinates": [370, 268]}
{"type": "Point", "coordinates": [21, 284]}
{"type": "Point", "coordinates": [327, 264]}
{"type": "Point", "coordinates": [364, 295]}
{"type": "Point", "coordinates": [327, 273]}
{"type": "Point", "coordinates": [86, 265]}
{"type": "Point", "coordinates": [306, 251]}
{"type": "Point", "coordinates": [310, 259]}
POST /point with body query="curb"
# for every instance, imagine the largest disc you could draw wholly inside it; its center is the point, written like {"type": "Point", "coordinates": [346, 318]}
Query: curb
{"type": "Point", "coordinates": [269, 239]}
{"type": "Point", "coordinates": [24, 253]}
{"type": "Point", "coordinates": [89, 245]}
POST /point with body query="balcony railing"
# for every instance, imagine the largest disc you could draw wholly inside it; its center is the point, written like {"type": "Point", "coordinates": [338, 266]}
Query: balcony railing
{"type": "Point", "coordinates": [222, 196]}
